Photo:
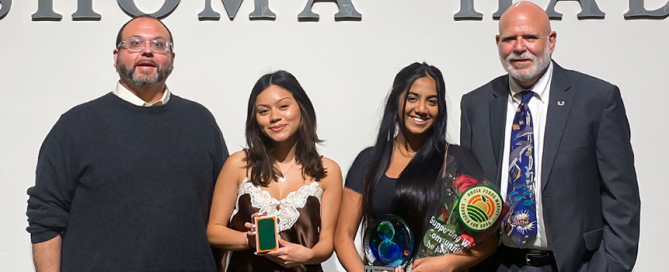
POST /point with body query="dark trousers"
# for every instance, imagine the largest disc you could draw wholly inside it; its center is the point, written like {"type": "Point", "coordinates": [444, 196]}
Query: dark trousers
{"type": "Point", "coordinates": [513, 259]}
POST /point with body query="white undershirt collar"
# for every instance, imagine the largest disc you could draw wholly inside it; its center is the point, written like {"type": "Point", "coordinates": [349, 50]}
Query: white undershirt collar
{"type": "Point", "coordinates": [127, 95]}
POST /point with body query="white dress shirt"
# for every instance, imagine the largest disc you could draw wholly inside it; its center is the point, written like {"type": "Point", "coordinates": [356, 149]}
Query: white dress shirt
{"type": "Point", "coordinates": [538, 108]}
{"type": "Point", "coordinates": [127, 95]}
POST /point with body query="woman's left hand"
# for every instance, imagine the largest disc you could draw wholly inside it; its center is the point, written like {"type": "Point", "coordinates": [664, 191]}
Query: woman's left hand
{"type": "Point", "coordinates": [289, 254]}
{"type": "Point", "coordinates": [432, 264]}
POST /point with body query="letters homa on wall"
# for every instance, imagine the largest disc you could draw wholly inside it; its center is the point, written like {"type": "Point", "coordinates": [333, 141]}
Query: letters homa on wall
{"type": "Point", "coordinates": [45, 12]}
{"type": "Point", "coordinates": [347, 12]}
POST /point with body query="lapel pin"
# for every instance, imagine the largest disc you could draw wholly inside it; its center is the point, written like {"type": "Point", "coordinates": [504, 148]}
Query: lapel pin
{"type": "Point", "coordinates": [560, 103]}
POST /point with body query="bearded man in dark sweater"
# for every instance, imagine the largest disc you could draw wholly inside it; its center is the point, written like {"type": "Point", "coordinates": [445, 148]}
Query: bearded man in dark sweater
{"type": "Point", "coordinates": [124, 182]}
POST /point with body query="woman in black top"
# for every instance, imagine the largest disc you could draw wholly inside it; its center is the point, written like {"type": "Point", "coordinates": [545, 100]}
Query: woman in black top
{"type": "Point", "coordinates": [398, 175]}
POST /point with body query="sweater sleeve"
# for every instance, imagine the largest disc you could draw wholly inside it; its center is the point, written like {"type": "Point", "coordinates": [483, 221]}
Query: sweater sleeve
{"type": "Point", "coordinates": [50, 199]}
{"type": "Point", "coordinates": [221, 154]}
{"type": "Point", "coordinates": [355, 179]}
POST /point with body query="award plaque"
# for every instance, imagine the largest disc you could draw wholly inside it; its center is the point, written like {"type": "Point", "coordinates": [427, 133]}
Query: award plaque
{"type": "Point", "coordinates": [266, 234]}
{"type": "Point", "coordinates": [388, 243]}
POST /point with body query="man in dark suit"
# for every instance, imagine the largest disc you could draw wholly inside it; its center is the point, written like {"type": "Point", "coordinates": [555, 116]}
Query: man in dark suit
{"type": "Point", "coordinates": [557, 143]}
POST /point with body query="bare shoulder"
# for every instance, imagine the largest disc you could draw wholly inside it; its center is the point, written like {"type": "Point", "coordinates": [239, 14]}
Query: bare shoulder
{"type": "Point", "coordinates": [330, 165]}
{"type": "Point", "coordinates": [235, 166]}
{"type": "Point", "coordinates": [332, 174]}
{"type": "Point", "coordinates": [237, 159]}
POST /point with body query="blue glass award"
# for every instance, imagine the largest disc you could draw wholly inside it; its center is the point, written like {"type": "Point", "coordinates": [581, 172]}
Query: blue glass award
{"type": "Point", "coordinates": [388, 243]}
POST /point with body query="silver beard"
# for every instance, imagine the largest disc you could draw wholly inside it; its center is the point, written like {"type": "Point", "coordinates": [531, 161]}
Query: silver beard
{"type": "Point", "coordinates": [540, 64]}
{"type": "Point", "coordinates": [129, 74]}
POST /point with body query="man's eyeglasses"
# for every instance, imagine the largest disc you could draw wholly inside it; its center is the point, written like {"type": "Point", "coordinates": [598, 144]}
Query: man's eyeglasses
{"type": "Point", "coordinates": [137, 44]}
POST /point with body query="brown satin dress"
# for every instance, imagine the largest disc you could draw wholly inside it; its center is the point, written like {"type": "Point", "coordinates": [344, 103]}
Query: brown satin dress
{"type": "Point", "coordinates": [299, 221]}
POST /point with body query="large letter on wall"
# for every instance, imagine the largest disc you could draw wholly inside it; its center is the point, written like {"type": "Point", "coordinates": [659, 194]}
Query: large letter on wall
{"type": "Point", "coordinates": [503, 6]}
{"type": "Point", "coordinates": [589, 10]}
{"type": "Point", "coordinates": [346, 11]}
{"type": "Point", "coordinates": [45, 12]}
{"type": "Point", "coordinates": [261, 10]}
{"type": "Point", "coordinates": [4, 7]}
{"type": "Point", "coordinates": [638, 11]}
{"type": "Point", "coordinates": [129, 7]}
{"type": "Point", "coordinates": [85, 12]}
{"type": "Point", "coordinates": [467, 11]}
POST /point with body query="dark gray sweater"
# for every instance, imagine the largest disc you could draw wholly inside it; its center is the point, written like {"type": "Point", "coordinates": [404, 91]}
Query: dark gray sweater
{"type": "Point", "coordinates": [127, 187]}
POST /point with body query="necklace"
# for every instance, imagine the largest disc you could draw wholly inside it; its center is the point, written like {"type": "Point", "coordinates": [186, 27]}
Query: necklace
{"type": "Point", "coordinates": [282, 178]}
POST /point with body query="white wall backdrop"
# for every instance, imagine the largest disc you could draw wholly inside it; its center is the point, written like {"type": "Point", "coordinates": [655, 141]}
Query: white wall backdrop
{"type": "Point", "coordinates": [347, 69]}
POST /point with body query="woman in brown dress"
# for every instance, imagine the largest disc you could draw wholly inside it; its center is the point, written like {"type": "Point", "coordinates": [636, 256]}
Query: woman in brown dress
{"type": "Point", "coordinates": [280, 174]}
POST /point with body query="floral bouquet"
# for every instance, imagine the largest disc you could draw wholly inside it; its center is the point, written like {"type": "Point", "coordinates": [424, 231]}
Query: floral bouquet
{"type": "Point", "coordinates": [469, 210]}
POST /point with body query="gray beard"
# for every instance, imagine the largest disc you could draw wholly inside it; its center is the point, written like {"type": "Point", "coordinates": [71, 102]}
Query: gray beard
{"type": "Point", "coordinates": [540, 64]}
{"type": "Point", "coordinates": [129, 74]}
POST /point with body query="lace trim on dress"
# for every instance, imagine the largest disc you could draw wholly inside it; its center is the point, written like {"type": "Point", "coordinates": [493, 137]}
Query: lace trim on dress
{"type": "Point", "coordinates": [285, 209]}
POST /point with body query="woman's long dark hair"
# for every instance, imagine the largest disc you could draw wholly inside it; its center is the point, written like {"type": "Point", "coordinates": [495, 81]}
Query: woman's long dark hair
{"type": "Point", "coordinates": [416, 188]}
{"type": "Point", "coordinates": [259, 158]}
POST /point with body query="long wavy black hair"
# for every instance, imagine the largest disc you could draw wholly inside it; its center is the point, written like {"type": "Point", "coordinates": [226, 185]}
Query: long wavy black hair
{"type": "Point", "coordinates": [259, 156]}
{"type": "Point", "coordinates": [416, 188]}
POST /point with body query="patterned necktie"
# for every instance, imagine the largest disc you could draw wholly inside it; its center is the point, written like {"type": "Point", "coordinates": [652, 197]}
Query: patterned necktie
{"type": "Point", "coordinates": [521, 224]}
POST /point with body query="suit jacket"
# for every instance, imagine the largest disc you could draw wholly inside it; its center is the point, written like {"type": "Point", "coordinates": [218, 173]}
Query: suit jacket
{"type": "Point", "coordinates": [590, 195]}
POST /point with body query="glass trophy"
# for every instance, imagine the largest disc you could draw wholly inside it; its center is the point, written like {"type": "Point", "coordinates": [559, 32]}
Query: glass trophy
{"type": "Point", "coordinates": [388, 243]}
